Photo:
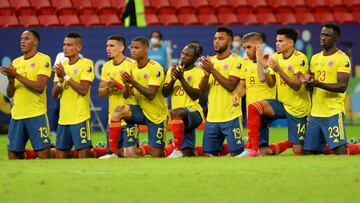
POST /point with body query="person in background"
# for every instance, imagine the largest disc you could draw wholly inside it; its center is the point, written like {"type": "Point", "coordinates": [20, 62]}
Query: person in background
{"type": "Point", "coordinates": [237, 46]}
{"type": "Point", "coordinates": [158, 51]}
{"type": "Point", "coordinates": [266, 49]}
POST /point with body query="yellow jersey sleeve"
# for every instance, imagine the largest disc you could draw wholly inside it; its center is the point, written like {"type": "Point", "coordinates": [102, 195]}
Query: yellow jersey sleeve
{"type": "Point", "coordinates": [168, 76]}
{"type": "Point", "coordinates": [156, 76]}
{"type": "Point", "coordinates": [235, 68]}
{"type": "Point", "coordinates": [105, 72]}
{"type": "Point", "coordinates": [88, 71]}
{"type": "Point", "coordinates": [45, 66]}
{"type": "Point", "coordinates": [344, 64]}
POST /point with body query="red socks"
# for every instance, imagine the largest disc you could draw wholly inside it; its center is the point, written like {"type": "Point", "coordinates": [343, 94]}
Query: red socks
{"type": "Point", "coordinates": [225, 150]}
{"type": "Point", "coordinates": [253, 123]}
{"type": "Point", "coordinates": [145, 149]}
{"type": "Point", "coordinates": [169, 149]}
{"type": "Point", "coordinates": [178, 127]}
{"type": "Point", "coordinates": [30, 154]}
{"type": "Point", "coordinates": [280, 147]}
{"type": "Point", "coordinates": [98, 152]}
{"type": "Point", "coordinates": [353, 149]}
{"type": "Point", "coordinates": [114, 134]}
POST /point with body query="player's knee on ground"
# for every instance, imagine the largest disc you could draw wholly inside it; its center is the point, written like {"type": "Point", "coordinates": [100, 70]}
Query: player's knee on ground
{"type": "Point", "coordinates": [156, 152]}
{"type": "Point", "coordinates": [44, 153]}
{"type": "Point", "coordinates": [84, 153]}
{"type": "Point", "coordinates": [188, 152]}
{"type": "Point", "coordinates": [177, 113]}
{"type": "Point", "coordinates": [131, 152]}
{"type": "Point", "coordinates": [16, 155]}
{"type": "Point", "coordinates": [121, 112]}
{"type": "Point", "coordinates": [298, 149]}
{"type": "Point", "coordinates": [63, 154]}
{"type": "Point", "coordinates": [340, 150]}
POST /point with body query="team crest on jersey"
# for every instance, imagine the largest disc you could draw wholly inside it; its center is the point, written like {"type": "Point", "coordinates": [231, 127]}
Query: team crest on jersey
{"type": "Point", "coordinates": [32, 65]}
{"type": "Point", "coordinates": [146, 76]}
{"type": "Point", "coordinates": [331, 64]}
{"type": "Point", "coordinates": [89, 70]}
{"type": "Point", "coordinates": [158, 74]}
{"type": "Point", "coordinates": [290, 68]}
{"type": "Point", "coordinates": [47, 64]}
{"type": "Point", "coordinates": [189, 78]}
{"type": "Point", "coordinates": [347, 64]}
{"type": "Point", "coordinates": [75, 71]}
{"type": "Point", "coordinates": [302, 63]}
{"type": "Point", "coordinates": [226, 67]}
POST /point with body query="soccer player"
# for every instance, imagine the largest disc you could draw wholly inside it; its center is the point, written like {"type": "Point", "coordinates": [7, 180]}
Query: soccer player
{"type": "Point", "coordinates": [72, 84]}
{"type": "Point", "coordinates": [222, 73]}
{"type": "Point", "coordinates": [329, 77]}
{"type": "Point", "coordinates": [182, 83]}
{"type": "Point", "coordinates": [293, 100]}
{"type": "Point", "coordinates": [28, 76]}
{"type": "Point", "coordinates": [111, 85]}
{"type": "Point", "coordinates": [147, 80]}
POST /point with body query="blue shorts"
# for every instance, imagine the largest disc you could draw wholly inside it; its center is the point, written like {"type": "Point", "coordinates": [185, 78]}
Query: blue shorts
{"type": "Point", "coordinates": [77, 135]}
{"type": "Point", "coordinates": [128, 138]}
{"type": "Point", "coordinates": [192, 120]}
{"type": "Point", "coordinates": [216, 132]}
{"type": "Point", "coordinates": [36, 129]}
{"type": "Point", "coordinates": [321, 131]}
{"type": "Point", "coordinates": [296, 126]}
{"type": "Point", "coordinates": [156, 132]}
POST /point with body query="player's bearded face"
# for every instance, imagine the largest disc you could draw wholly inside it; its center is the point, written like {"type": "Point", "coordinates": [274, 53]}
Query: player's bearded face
{"type": "Point", "coordinates": [221, 42]}
{"type": "Point", "coordinates": [327, 38]}
{"type": "Point", "coordinates": [27, 42]}
{"type": "Point", "coordinates": [250, 50]}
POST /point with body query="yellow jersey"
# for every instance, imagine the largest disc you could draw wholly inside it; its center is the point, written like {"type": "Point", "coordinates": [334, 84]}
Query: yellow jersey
{"type": "Point", "coordinates": [179, 98]}
{"type": "Point", "coordinates": [28, 103]}
{"type": "Point", "coordinates": [326, 103]}
{"type": "Point", "coordinates": [151, 75]}
{"type": "Point", "coordinates": [255, 90]}
{"type": "Point", "coordinates": [75, 108]}
{"type": "Point", "coordinates": [296, 103]}
{"type": "Point", "coordinates": [110, 70]}
{"type": "Point", "coordinates": [220, 107]}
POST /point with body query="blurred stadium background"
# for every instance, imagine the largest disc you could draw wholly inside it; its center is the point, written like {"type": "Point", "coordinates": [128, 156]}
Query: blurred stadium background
{"type": "Point", "coordinates": [180, 22]}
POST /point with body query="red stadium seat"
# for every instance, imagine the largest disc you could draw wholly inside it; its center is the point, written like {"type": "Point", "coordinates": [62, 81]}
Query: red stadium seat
{"type": "Point", "coordinates": [118, 4]}
{"type": "Point", "coordinates": [110, 19]}
{"type": "Point", "coordinates": [260, 6]}
{"type": "Point", "coordinates": [43, 7]}
{"type": "Point", "coordinates": [240, 6]}
{"type": "Point", "coordinates": [23, 7]}
{"type": "Point", "coordinates": [152, 19]}
{"type": "Point", "coordinates": [344, 17]}
{"type": "Point", "coordinates": [280, 6]}
{"type": "Point", "coordinates": [49, 20]}
{"type": "Point", "coordinates": [247, 19]}
{"type": "Point", "coordinates": [202, 6]}
{"type": "Point", "coordinates": [6, 9]}
{"type": "Point", "coordinates": [9, 21]}
{"type": "Point", "coordinates": [104, 6]}
{"type": "Point", "coordinates": [305, 18]}
{"type": "Point", "coordinates": [208, 19]}
{"type": "Point", "coordinates": [84, 6]}
{"type": "Point", "coordinates": [324, 17]}
{"type": "Point", "coordinates": [221, 7]}
{"type": "Point", "coordinates": [228, 19]}
{"type": "Point", "coordinates": [70, 20]}
{"type": "Point", "coordinates": [182, 6]}
{"type": "Point", "coordinates": [266, 18]}
{"type": "Point", "coordinates": [90, 20]}
{"type": "Point", "coordinates": [318, 6]}
{"type": "Point", "coordinates": [286, 18]}
{"type": "Point", "coordinates": [149, 9]}
{"type": "Point", "coordinates": [29, 21]}
{"type": "Point", "coordinates": [64, 7]}
{"type": "Point", "coordinates": [168, 19]}
{"type": "Point", "coordinates": [351, 3]}
{"type": "Point", "coordinates": [336, 5]}
{"type": "Point", "coordinates": [356, 17]}
{"type": "Point", "coordinates": [188, 19]}
{"type": "Point", "coordinates": [299, 6]}
{"type": "Point", "coordinates": [162, 7]}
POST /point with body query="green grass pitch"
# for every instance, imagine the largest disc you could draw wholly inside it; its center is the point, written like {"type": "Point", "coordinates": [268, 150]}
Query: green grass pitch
{"type": "Point", "coordinates": [283, 178]}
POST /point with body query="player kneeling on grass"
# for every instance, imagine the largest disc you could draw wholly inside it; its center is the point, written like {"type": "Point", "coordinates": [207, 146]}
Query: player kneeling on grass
{"type": "Point", "coordinates": [328, 79]}
{"type": "Point", "coordinates": [72, 84]}
{"type": "Point", "coordinates": [182, 83]}
{"type": "Point", "coordinates": [147, 81]}
{"type": "Point", "coordinates": [28, 76]}
{"type": "Point", "coordinates": [111, 85]}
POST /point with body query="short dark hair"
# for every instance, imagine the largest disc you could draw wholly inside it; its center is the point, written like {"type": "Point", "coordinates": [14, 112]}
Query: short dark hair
{"type": "Point", "coordinates": [237, 35]}
{"type": "Point", "coordinates": [155, 31]}
{"type": "Point", "coordinates": [262, 36]}
{"type": "Point", "coordinates": [197, 48]}
{"type": "Point", "coordinates": [74, 35]}
{"type": "Point", "coordinates": [35, 34]}
{"type": "Point", "coordinates": [117, 38]}
{"type": "Point", "coordinates": [252, 35]}
{"type": "Point", "coordinates": [225, 29]}
{"type": "Point", "coordinates": [333, 26]}
{"type": "Point", "coordinates": [142, 40]}
{"type": "Point", "coordinates": [288, 32]}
